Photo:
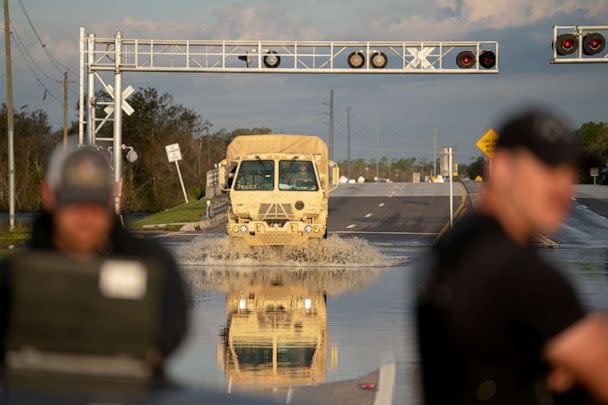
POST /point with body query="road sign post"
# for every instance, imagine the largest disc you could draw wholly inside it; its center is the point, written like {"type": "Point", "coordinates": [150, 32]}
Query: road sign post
{"type": "Point", "coordinates": [594, 173]}
{"type": "Point", "coordinates": [447, 169]}
{"type": "Point", "coordinates": [487, 143]}
{"type": "Point", "coordinates": [174, 154]}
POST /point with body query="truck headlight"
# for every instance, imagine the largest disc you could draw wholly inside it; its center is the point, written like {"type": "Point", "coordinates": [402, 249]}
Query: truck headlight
{"type": "Point", "coordinates": [307, 304]}
{"type": "Point", "coordinates": [243, 228]}
{"type": "Point", "coordinates": [242, 304]}
{"type": "Point", "coordinates": [308, 228]}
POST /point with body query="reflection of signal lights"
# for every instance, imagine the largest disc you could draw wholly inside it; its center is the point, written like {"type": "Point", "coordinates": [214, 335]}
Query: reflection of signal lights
{"type": "Point", "coordinates": [465, 59]}
{"type": "Point", "coordinates": [356, 60]}
{"type": "Point", "coordinates": [487, 59]}
{"type": "Point", "coordinates": [378, 60]}
{"type": "Point", "coordinates": [593, 43]}
{"type": "Point", "coordinates": [566, 44]}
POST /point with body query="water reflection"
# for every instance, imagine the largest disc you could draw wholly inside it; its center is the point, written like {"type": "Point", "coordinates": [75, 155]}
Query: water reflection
{"type": "Point", "coordinates": [276, 332]}
{"type": "Point", "coordinates": [275, 335]}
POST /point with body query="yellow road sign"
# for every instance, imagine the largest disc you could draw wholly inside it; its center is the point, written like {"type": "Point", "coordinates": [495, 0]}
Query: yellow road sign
{"type": "Point", "coordinates": [487, 143]}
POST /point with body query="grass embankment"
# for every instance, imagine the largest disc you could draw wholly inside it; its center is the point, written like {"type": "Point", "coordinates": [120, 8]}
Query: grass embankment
{"type": "Point", "coordinates": [16, 239]}
{"type": "Point", "coordinates": [191, 212]}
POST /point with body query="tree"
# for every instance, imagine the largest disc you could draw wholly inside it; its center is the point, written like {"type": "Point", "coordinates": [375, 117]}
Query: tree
{"type": "Point", "coordinates": [594, 135]}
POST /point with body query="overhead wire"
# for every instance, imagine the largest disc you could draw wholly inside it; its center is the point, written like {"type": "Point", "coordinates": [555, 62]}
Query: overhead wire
{"type": "Point", "coordinates": [29, 61]}
{"type": "Point", "coordinates": [58, 65]}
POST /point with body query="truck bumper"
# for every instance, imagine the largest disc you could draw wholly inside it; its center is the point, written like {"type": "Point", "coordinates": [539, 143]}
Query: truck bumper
{"type": "Point", "coordinates": [259, 233]}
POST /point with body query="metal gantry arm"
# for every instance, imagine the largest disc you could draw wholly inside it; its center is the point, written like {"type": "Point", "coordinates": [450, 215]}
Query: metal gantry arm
{"type": "Point", "coordinates": [191, 56]}
{"type": "Point", "coordinates": [579, 44]}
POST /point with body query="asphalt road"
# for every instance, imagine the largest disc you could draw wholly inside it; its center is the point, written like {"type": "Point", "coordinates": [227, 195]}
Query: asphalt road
{"type": "Point", "coordinates": [391, 208]}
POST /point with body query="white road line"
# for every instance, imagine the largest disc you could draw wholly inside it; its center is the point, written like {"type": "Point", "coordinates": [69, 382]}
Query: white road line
{"type": "Point", "coordinates": [368, 215]}
{"type": "Point", "coordinates": [384, 233]}
{"type": "Point", "coordinates": [381, 205]}
{"type": "Point", "coordinates": [351, 226]}
{"type": "Point", "coordinates": [584, 206]}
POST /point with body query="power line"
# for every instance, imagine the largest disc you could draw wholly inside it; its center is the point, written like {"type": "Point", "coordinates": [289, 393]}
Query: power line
{"type": "Point", "coordinates": [58, 65]}
{"type": "Point", "coordinates": [17, 37]}
{"type": "Point", "coordinates": [24, 52]}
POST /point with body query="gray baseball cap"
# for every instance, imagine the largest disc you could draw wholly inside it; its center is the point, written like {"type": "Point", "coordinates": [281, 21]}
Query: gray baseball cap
{"type": "Point", "coordinates": [80, 176]}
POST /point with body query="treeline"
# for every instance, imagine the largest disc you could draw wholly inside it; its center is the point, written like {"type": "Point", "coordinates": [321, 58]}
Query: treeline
{"type": "Point", "coordinates": [149, 184]}
{"type": "Point", "coordinates": [396, 169]}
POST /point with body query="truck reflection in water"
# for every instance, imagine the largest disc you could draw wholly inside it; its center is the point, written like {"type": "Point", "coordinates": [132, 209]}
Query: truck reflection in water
{"type": "Point", "coordinates": [276, 335]}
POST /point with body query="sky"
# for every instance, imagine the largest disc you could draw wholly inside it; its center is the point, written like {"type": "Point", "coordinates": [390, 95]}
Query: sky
{"type": "Point", "coordinates": [409, 107]}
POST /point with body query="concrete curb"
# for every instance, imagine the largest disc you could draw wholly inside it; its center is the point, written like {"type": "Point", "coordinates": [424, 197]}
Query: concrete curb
{"type": "Point", "coordinates": [204, 224]}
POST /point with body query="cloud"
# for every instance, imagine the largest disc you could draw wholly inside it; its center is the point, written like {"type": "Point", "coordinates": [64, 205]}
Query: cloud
{"type": "Point", "coordinates": [450, 18]}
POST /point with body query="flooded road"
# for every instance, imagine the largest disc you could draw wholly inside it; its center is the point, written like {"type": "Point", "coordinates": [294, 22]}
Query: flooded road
{"type": "Point", "coordinates": [261, 328]}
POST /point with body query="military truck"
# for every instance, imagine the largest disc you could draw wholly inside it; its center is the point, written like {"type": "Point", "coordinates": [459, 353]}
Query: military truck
{"type": "Point", "coordinates": [278, 188]}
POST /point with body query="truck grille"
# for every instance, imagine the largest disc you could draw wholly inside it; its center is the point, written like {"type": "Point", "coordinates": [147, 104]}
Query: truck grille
{"type": "Point", "coordinates": [270, 239]}
{"type": "Point", "coordinates": [275, 211]}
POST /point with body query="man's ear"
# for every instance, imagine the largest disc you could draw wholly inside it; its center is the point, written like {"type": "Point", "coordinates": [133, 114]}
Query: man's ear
{"type": "Point", "coordinates": [48, 196]}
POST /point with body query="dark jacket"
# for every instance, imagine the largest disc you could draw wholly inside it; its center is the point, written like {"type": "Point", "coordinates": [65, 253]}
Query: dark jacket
{"type": "Point", "coordinates": [121, 243]}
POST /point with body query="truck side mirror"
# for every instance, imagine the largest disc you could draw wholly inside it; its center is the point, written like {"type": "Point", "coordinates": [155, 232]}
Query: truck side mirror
{"type": "Point", "coordinates": [335, 175]}
{"type": "Point", "coordinates": [221, 174]}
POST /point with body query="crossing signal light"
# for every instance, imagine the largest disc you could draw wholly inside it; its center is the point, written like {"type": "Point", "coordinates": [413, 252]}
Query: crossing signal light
{"type": "Point", "coordinates": [593, 43]}
{"type": "Point", "coordinates": [465, 59]}
{"type": "Point", "coordinates": [356, 60]}
{"type": "Point", "coordinates": [271, 60]}
{"type": "Point", "coordinates": [378, 60]}
{"type": "Point", "coordinates": [566, 44]}
{"type": "Point", "coordinates": [487, 59]}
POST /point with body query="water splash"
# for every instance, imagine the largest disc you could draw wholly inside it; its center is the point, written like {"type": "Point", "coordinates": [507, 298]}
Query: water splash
{"type": "Point", "coordinates": [331, 252]}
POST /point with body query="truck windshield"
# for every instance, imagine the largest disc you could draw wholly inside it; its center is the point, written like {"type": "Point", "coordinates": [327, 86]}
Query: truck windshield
{"type": "Point", "coordinates": [297, 175]}
{"type": "Point", "coordinates": [255, 175]}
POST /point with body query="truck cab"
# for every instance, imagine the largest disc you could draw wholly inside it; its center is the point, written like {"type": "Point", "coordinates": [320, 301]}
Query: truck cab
{"type": "Point", "coordinates": [278, 197]}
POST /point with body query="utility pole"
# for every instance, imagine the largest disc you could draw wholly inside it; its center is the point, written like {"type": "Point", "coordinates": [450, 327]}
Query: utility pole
{"type": "Point", "coordinates": [435, 152]}
{"type": "Point", "coordinates": [65, 110]}
{"type": "Point", "coordinates": [10, 123]}
{"type": "Point", "coordinates": [331, 124]}
{"type": "Point", "coordinates": [377, 148]}
{"type": "Point", "coordinates": [348, 142]}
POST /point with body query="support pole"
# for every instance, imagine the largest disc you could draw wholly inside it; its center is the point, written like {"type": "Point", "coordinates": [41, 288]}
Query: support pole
{"type": "Point", "coordinates": [331, 125]}
{"type": "Point", "coordinates": [181, 182]}
{"type": "Point", "coordinates": [450, 161]}
{"type": "Point", "coordinates": [91, 91]}
{"type": "Point", "coordinates": [10, 118]}
{"type": "Point", "coordinates": [348, 142]}
{"type": "Point", "coordinates": [435, 152]}
{"type": "Point", "coordinates": [81, 89]}
{"type": "Point", "coordinates": [65, 110]}
{"type": "Point", "coordinates": [116, 149]}
{"type": "Point", "coordinates": [377, 148]}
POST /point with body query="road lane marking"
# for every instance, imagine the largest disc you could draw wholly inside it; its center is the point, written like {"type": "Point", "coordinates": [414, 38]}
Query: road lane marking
{"type": "Point", "coordinates": [351, 226]}
{"type": "Point", "coordinates": [368, 215]}
{"type": "Point", "coordinates": [381, 205]}
{"type": "Point", "coordinates": [383, 233]}
{"type": "Point", "coordinates": [584, 206]}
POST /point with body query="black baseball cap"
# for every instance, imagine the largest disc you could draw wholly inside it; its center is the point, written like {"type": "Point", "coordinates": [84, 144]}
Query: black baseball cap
{"type": "Point", "coordinates": [84, 177]}
{"type": "Point", "coordinates": [544, 134]}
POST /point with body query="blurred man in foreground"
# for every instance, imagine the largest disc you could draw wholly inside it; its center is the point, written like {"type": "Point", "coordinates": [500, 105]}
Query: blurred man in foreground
{"type": "Point", "coordinates": [496, 323]}
{"type": "Point", "coordinates": [78, 222]}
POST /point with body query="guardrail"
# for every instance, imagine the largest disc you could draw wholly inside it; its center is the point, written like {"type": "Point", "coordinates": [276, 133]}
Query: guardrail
{"type": "Point", "coordinates": [216, 209]}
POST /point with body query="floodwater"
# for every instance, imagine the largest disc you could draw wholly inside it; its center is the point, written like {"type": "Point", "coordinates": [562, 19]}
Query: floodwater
{"type": "Point", "coordinates": [264, 326]}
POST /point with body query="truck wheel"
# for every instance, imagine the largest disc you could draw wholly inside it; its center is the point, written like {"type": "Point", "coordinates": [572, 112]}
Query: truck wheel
{"type": "Point", "coordinates": [325, 234]}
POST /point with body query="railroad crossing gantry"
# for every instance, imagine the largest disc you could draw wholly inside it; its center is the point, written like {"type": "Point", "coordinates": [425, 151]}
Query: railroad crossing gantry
{"type": "Point", "coordinates": [579, 44]}
{"type": "Point", "coordinates": [103, 56]}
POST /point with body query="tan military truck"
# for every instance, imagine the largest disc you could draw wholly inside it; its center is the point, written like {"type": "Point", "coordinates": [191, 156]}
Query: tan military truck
{"type": "Point", "coordinates": [278, 187]}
